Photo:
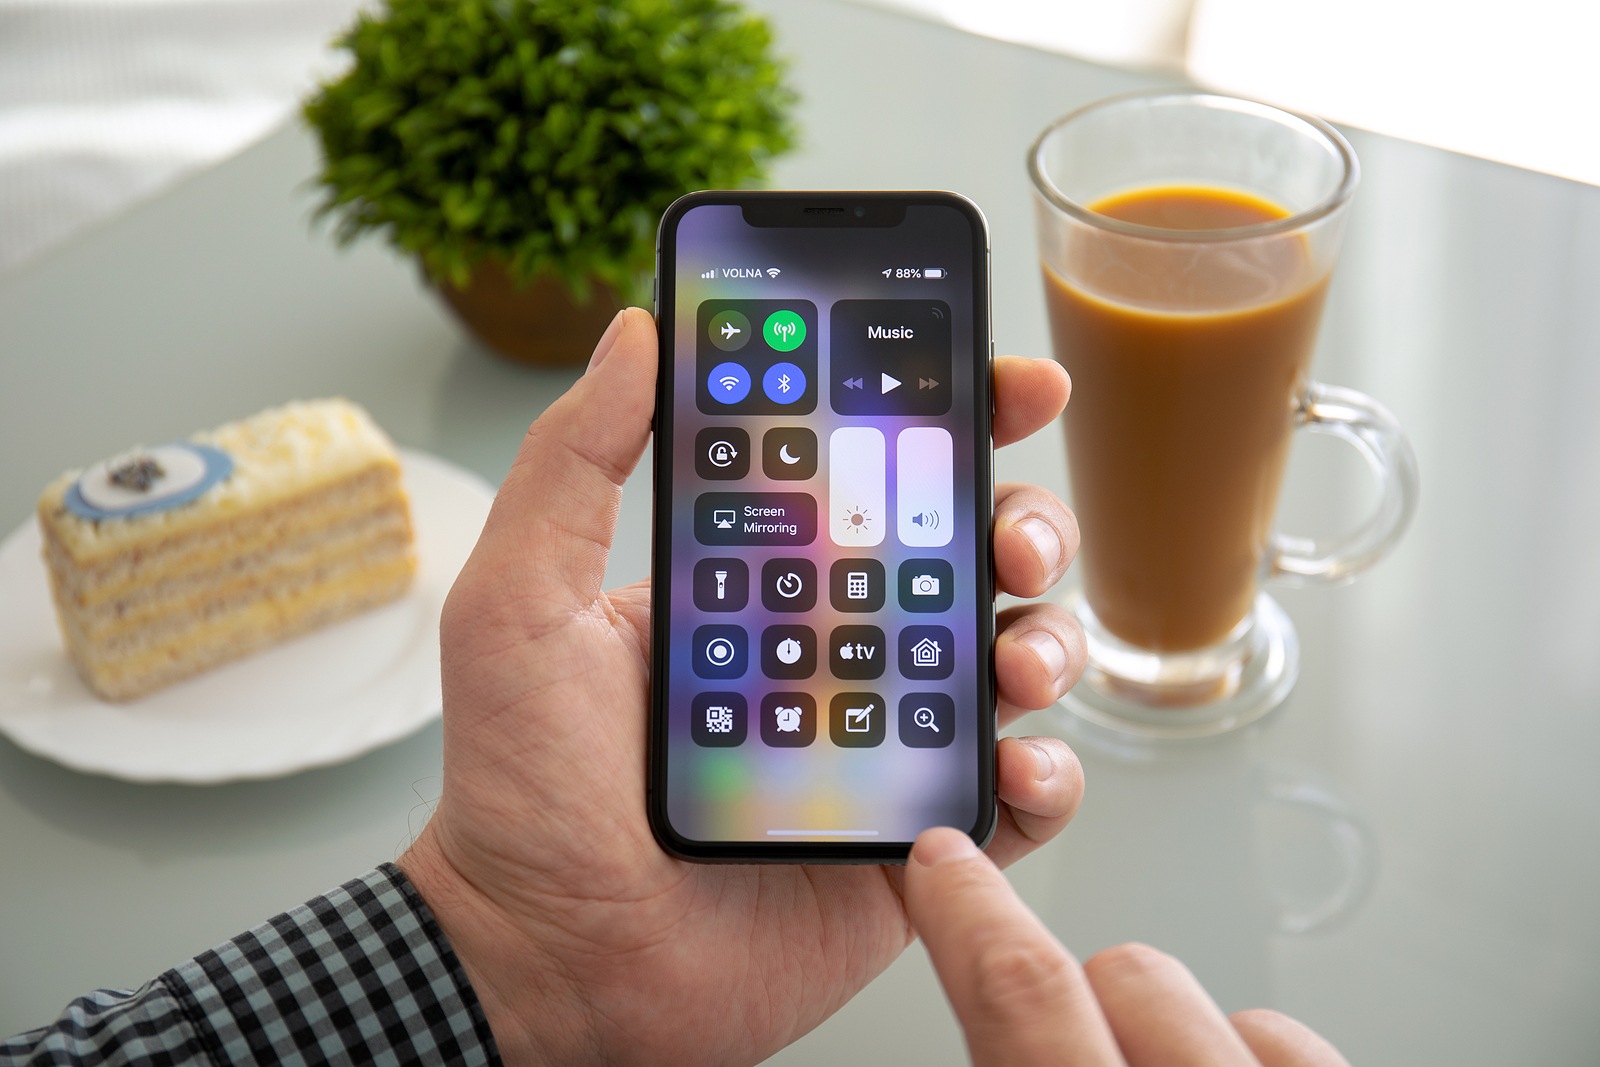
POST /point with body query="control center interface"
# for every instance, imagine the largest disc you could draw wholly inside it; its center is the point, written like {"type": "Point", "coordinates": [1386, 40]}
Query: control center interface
{"type": "Point", "coordinates": [823, 596]}
{"type": "Point", "coordinates": [882, 477]}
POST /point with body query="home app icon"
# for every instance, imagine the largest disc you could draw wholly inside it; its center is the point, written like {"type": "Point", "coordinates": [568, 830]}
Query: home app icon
{"type": "Point", "coordinates": [926, 652]}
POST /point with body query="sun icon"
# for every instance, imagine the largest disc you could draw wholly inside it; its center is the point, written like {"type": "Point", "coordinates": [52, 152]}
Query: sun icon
{"type": "Point", "coordinates": [857, 520]}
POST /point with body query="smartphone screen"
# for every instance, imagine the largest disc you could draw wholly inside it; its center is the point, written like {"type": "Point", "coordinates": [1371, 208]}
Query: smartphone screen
{"type": "Point", "coordinates": [823, 592]}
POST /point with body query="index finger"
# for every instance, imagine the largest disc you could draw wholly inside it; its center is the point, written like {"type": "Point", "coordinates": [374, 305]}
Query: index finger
{"type": "Point", "coordinates": [1028, 395]}
{"type": "Point", "coordinates": [1021, 997]}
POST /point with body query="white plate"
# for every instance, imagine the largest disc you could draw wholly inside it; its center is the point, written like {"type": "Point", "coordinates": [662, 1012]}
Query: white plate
{"type": "Point", "coordinates": [323, 698]}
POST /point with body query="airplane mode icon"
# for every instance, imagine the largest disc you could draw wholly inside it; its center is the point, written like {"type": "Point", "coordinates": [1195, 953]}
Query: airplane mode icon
{"type": "Point", "coordinates": [729, 329]}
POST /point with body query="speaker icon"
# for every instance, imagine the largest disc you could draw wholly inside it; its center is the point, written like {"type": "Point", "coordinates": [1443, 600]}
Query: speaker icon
{"type": "Point", "coordinates": [928, 520]}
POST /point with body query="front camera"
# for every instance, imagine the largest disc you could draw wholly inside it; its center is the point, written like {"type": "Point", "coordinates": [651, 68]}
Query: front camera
{"type": "Point", "coordinates": [860, 211]}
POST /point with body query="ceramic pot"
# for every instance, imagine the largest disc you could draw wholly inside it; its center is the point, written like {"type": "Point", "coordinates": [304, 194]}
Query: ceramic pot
{"type": "Point", "coordinates": [539, 324]}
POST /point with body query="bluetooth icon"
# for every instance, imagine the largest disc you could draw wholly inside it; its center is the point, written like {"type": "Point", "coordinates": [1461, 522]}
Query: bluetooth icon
{"type": "Point", "coordinates": [784, 383]}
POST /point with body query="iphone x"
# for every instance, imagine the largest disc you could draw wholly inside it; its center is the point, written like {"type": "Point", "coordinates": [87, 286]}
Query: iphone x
{"type": "Point", "coordinates": [823, 626]}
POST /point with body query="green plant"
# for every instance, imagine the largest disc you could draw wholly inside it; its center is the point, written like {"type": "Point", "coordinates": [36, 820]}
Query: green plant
{"type": "Point", "coordinates": [547, 134]}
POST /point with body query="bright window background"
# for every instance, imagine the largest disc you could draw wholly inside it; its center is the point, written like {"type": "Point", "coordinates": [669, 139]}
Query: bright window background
{"type": "Point", "coordinates": [103, 102]}
{"type": "Point", "coordinates": [1517, 82]}
{"type": "Point", "coordinates": [106, 101]}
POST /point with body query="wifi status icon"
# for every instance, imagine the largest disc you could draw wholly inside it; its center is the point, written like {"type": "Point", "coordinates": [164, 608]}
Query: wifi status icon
{"type": "Point", "coordinates": [773, 272]}
{"type": "Point", "coordinates": [728, 383]}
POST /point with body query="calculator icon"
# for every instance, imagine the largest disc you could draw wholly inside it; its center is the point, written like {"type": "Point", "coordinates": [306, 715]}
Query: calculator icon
{"type": "Point", "coordinates": [856, 586]}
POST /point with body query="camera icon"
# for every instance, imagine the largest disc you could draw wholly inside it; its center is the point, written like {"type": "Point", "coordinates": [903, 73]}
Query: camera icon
{"type": "Point", "coordinates": [927, 586]}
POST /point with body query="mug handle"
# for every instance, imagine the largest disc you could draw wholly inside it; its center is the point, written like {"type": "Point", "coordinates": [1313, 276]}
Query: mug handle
{"type": "Point", "coordinates": [1363, 422]}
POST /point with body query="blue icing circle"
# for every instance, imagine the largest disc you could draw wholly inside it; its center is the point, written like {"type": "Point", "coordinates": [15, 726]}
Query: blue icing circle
{"type": "Point", "coordinates": [218, 467]}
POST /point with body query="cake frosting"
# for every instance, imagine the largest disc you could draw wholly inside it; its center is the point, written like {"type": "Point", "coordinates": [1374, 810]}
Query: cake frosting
{"type": "Point", "coordinates": [165, 561]}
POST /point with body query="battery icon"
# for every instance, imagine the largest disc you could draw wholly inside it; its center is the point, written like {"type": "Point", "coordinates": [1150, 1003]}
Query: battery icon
{"type": "Point", "coordinates": [933, 272]}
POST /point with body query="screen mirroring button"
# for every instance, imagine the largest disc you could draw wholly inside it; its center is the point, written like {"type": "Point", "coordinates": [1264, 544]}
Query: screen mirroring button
{"type": "Point", "coordinates": [755, 519]}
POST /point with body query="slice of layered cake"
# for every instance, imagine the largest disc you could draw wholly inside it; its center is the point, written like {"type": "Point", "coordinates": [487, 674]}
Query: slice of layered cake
{"type": "Point", "coordinates": [166, 561]}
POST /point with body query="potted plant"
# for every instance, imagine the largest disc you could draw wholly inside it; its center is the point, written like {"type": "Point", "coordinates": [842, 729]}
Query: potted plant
{"type": "Point", "coordinates": [523, 150]}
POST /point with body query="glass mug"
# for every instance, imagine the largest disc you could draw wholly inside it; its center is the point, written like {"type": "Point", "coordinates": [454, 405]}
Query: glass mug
{"type": "Point", "coordinates": [1187, 241]}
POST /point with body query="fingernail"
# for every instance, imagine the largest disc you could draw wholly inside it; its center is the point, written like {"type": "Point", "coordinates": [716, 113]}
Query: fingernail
{"type": "Point", "coordinates": [934, 847]}
{"type": "Point", "coordinates": [1048, 649]}
{"type": "Point", "coordinates": [607, 340]}
{"type": "Point", "coordinates": [1044, 539]}
{"type": "Point", "coordinates": [1044, 764]}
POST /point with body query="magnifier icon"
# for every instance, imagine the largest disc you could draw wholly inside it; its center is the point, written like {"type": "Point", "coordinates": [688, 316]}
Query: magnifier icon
{"type": "Point", "coordinates": [924, 718]}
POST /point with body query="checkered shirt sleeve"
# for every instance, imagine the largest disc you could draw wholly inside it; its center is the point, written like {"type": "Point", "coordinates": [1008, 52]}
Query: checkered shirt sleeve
{"type": "Point", "coordinates": [362, 975]}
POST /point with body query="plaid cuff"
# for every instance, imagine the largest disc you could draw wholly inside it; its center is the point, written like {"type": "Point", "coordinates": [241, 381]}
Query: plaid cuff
{"type": "Point", "coordinates": [361, 975]}
{"type": "Point", "coordinates": [144, 1026]}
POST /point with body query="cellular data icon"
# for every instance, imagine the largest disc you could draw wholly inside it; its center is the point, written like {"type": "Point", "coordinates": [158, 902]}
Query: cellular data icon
{"type": "Point", "coordinates": [756, 357]}
{"type": "Point", "coordinates": [784, 330]}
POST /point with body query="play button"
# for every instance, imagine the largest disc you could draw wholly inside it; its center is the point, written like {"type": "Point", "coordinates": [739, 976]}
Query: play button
{"type": "Point", "coordinates": [890, 382]}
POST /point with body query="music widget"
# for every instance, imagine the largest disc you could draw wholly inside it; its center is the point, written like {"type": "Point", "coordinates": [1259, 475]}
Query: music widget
{"type": "Point", "coordinates": [890, 357]}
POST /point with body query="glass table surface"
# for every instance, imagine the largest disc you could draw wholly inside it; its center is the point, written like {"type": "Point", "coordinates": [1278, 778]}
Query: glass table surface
{"type": "Point", "coordinates": [1407, 856]}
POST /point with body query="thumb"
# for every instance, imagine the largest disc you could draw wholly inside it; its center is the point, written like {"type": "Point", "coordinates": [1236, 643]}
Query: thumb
{"type": "Point", "coordinates": [551, 526]}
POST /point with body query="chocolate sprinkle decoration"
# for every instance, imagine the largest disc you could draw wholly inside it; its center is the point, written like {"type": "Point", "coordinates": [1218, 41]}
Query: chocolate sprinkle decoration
{"type": "Point", "coordinates": [137, 474]}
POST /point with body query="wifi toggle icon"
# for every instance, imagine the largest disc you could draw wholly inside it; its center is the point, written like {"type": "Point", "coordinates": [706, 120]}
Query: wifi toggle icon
{"type": "Point", "coordinates": [728, 383]}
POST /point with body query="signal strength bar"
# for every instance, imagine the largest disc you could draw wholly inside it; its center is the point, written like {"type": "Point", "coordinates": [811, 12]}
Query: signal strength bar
{"type": "Point", "coordinates": [708, 274]}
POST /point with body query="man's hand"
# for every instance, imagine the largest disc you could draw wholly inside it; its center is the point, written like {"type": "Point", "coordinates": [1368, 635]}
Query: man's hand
{"type": "Point", "coordinates": [1022, 999]}
{"type": "Point", "coordinates": [583, 939]}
